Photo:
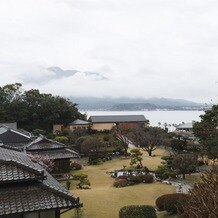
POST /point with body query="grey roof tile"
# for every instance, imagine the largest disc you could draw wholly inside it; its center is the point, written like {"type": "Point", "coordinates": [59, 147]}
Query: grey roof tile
{"type": "Point", "coordinates": [118, 118]}
{"type": "Point", "coordinates": [56, 154]}
{"type": "Point", "coordinates": [42, 143]}
{"type": "Point", "coordinates": [79, 122]}
{"type": "Point", "coordinates": [22, 190]}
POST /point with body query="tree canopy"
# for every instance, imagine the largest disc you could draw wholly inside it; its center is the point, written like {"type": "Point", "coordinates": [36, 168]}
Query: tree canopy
{"type": "Point", "coordinates": [207, 132]}
{"type": "Point", "coordinates": [34, 110]}
{"type": "Point", "coordinates": [149, 138]}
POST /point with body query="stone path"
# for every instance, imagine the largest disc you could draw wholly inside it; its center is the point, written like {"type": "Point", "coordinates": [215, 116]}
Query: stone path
{"type": "Point", "coordinates": [181, 187]}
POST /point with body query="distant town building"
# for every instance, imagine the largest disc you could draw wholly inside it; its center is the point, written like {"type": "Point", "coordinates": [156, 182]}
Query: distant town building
{"type": "Point", "coordinates": [127, 121]}
{"type": "Point", "coordinates": [76, 124]}
{"type": "Point", "coordinates": [29, 191]}
{"type": "Point", "coordinates": [185, 126]}
{"type": "Point", "coordinates": [57, 128]}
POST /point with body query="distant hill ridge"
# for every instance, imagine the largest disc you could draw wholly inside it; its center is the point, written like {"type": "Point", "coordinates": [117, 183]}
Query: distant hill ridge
{"type": "Point", "coordinates": [93, 103]}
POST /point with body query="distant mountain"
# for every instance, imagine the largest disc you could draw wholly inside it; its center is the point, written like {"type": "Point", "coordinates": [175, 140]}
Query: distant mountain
{"type": "Point", "coordinates": [56, 73]}
{"type": "Point", "coordinates": [60, 73]}
{"type": "Point", "coordinates": [133, 107]}
{"type": "Point", "coordinates": [92, 103]}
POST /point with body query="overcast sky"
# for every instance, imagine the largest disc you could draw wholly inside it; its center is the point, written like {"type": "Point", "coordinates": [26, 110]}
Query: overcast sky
{"type": "Point", "coordinates": [145, 48]}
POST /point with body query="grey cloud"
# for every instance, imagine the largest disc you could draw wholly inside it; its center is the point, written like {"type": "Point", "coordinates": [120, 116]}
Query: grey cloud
{"type": "Point", "coordinates": [138, 48]}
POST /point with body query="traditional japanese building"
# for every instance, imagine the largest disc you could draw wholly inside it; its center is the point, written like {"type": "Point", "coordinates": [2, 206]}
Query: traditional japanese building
{"type": "Point", "coordinates": [78, 124]}
{"type": "Point", "coordinates": [27, 190]}
{"type": "Point", "coordinates": [13, 137]}
{"type": "Point", "coordinates": [53, 150]}
{"type": "Point", "coordinates": [110, 121]}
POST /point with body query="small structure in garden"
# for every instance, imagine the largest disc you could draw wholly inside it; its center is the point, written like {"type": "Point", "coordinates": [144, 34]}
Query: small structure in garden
{"type": "Point", "coordinates": [53, 150]}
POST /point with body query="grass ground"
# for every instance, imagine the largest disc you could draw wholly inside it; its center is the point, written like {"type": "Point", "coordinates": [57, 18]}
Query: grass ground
{"type": "Point", "coordinates": [104, 201]}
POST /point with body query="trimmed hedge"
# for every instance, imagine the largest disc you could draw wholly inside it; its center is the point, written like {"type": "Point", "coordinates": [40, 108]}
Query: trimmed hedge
{"type": "Point", "coordinates": [137, 211]}
{"type": "Point", "coordinates": [172, 203]}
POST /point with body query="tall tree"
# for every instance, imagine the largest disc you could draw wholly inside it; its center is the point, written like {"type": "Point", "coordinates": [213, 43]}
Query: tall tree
{"type": "Point", "coordinates": [184, 163]}
{"type": "Point", "coordinates": [207, 132]}
{"type": "Point", "coordinates": [149, 138]}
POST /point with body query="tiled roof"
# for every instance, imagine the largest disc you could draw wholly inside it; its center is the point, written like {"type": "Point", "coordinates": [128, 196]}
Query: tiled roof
{"type": "Point", "coordinates": [79, 122]}
{"type": "Point", "coordinates": [12, 136]}
{"type": "Point", "coordinates": [42, 143]}
{"type": "Point", "coordinates": [56, 154]}
{"type": "Point", "coordinates": [118, 118]}
{"type": "Point", "coordinates": [32, 198]}
{"type": "Point", "coordinates": [26, 187]}
{"type": "Point", "coordinates": [185, 126]}
{"type": "Point", "coordinates": [11, 171]}
{"type": "Point", "coordinates": [10, 125]}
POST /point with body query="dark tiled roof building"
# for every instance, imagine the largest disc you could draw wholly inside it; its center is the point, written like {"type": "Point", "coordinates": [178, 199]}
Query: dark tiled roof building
{"type": "Point", "coordinates": [28, 191]}
{"type": "Point", "coordinates": [110, 121]}
{"type": "Point", "coordinates": [53, 150]}
{"type": "Point", "coordinates": [13, 137]}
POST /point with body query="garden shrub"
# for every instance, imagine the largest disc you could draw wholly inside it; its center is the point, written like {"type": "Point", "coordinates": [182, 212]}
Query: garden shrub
{"type": "Point", "coordinates": [84, 182]}
{"type": "Point", "coordinates": [123, 177]}
{"type": "Point", "coordinates": [137, 211]}
{"type": "Point", "coordinates": [200, 163]}
{"type": "Point", "coordinates": [61, 139]}
{"type": "Point", "coordinates": [120, 183]}
{"type": "Point", "coordinates": [75, 166]}
{"type": "Point", "coordinates": [147, 178]}
{"type": "Point", "coordinates": [106, 138]}
{"type": "Point", "coordinates": [80, 176]}
{"type": "Point", "coordinates": [161, 172]}
{"type": "Point", "coordinates": [172, 203]}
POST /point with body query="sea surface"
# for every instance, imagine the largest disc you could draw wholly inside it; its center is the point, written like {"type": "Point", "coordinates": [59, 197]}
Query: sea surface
{"type": "Point", "coordinates": [154, 117]}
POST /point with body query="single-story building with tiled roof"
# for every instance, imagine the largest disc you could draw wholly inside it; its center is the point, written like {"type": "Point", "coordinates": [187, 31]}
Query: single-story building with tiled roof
{"type": "Point", "coordinates": [76, 124]}
{"type": "Point", "coordinates": [110, 121]}
{"type": "Point", "coordinates": [28, 191]}
{"type": "Point", "coordinates": [185, 127]}
{"type": "Point", "coordinates": [14, 137]}
{"type": "Point", "coordinates": [53, 150]}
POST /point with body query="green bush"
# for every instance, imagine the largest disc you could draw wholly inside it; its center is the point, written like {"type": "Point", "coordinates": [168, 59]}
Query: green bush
{"type": "Point", "coordinates": [147, 178]}
{"type": "Point", "coordinates": [75, 166]}
{"type": "Point", "coordinates": [80, 176]}
{"type": "Point", "coordinates": [120, 183]}
{"type": "Point", "coordinates": [61, 139]}
{"type": "Point", "coordinates": [137, 211]}
{"type": "Point", "coordinates": [161, 172]}
{"type": "Point", "coordinates": [172, 203]}
{"type": "Point", "coordinates": [84, 184]}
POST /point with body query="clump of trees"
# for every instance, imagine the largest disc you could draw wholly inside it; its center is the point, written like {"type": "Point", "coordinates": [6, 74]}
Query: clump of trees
{"type": "Point", "coordinates": [34, 110]}
{"type": "Point", "coordinates": [137, 211]}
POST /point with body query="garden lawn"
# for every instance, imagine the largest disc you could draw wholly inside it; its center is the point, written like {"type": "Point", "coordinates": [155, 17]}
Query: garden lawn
{"type": "Point", "coordinates": [105, 201]}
